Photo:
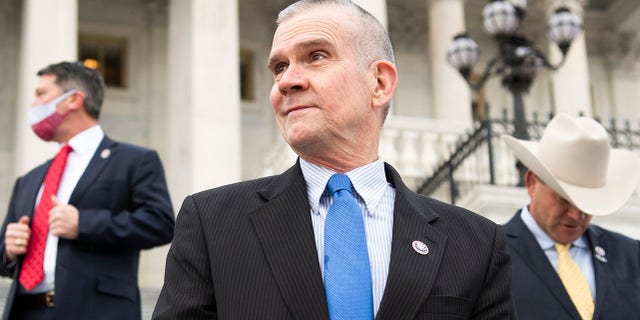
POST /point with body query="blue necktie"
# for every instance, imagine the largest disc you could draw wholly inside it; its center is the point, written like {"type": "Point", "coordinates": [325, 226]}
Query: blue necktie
{"type": "Point", "coordinates": [347, 277]}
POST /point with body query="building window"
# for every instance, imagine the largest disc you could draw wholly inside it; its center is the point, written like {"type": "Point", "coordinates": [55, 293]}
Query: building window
{"type": "Point", "coordinates": [107, 55]}
{"type": "Point", "coordinates": [246, 75]}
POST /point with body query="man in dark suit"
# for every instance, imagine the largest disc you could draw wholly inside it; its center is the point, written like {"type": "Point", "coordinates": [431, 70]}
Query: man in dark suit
{"type": "Point", "coordinates": [261, 249]}
{"type": "Point", "coordinates": [573, 175]}
{"type": "Point", "coordinates": [110, 202]}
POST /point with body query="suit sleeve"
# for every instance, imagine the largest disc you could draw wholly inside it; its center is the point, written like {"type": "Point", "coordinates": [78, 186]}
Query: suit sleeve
{"type": "Point", "coordinates": [143, 217]}
{"type": "Point", "coordinates": [495, 300]}
{"type": "Point", "coordinates": [9, 269]}
{"type": "Point", "coordinates": [188, 291]}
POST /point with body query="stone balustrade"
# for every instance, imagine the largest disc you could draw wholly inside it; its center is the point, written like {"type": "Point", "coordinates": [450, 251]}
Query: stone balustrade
{"type": "Point", "coordinates": [414, 146]}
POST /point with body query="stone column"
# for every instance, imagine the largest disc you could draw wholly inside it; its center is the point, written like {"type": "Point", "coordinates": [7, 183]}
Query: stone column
{"type": "Point", "coordinates": [152, 261]}
{"type": "Point", "coordinates": [204, 96]}
{"type": "Point", "coordinates": [378, 8]}
{"type": "Point", "coordinates": [451, 94]}
{"type": "Point", "coordinates": [622, 67]}
{"type": "Point", "coordinates": [49, 35]}
{"type": "Point", "coordinates": [571, 84]}
{"type": "Point", "coordinates": [157, 76]}
{"type": "Point", "coordinates": [9, 38]}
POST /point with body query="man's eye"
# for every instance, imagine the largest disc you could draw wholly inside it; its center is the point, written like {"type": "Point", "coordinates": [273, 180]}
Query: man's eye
{"type": "Point", "coordinates": [562, 200]}
{"type": "Point", "coordinates": [317, 56]}
{"type": "Point", "coordinates": [280, 68]}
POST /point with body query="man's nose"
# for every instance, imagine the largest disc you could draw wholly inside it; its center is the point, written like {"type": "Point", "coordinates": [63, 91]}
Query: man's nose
{"type": "Point", "coordinates": [576, 214]}
{"type": "Point", "coordinates": [293, 79]}
{"type": "Point", "coordinates": [36, 101]}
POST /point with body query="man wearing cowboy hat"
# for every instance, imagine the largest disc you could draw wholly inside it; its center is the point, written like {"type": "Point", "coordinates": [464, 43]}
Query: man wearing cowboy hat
{"type": "Point", "coordinates": [573, 174]}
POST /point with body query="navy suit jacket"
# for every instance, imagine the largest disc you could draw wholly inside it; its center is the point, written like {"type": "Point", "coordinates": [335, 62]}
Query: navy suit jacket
{"type": "Point", "coordinates": [538, 292]}
{"type": "Point", "coordinates": [124, 207]}
{"type": "Point", "coordinates": [247, 251]}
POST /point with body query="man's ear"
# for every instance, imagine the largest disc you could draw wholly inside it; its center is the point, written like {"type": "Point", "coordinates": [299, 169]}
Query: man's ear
{"type": "Point", "coordinates": [386, 76]}
{"type": "Point", "coordinates": [531, 181]}
{"type": "Point", "coordinates": [76, 100]}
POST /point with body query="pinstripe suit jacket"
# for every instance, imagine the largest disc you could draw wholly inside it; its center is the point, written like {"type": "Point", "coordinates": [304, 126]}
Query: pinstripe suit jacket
{"type": "Point", "coordinates": [247, 251]}
{"type": "Point", "coordinates": [537, 289]}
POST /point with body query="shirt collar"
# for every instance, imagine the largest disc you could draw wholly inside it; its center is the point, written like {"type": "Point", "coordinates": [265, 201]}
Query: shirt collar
{"type": "Point", "coordinates": [369, 182]}
{"type": "Point", "coordinates": [543, 239]}
{"type": "Point", "coordinates": [87, 141]}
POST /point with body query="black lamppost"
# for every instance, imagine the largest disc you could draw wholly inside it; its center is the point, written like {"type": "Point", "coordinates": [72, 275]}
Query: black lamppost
{"type": "Point", "coordinates": [518, 59]}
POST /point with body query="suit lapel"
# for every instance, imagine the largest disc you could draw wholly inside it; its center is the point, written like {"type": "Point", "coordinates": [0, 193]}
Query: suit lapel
{"type": "Point", "coordinates": [102, 156]}
{"type": "Point", "coordinates": [286, 216]}
{"type": "Point", "coordinates": [31, 189]}
{"type": "Point", "coordinates": [601, 269]}
{"type": "Point", "coordinates": [526, 246]}
{"type": "Point", "coordinates": [411, 275]}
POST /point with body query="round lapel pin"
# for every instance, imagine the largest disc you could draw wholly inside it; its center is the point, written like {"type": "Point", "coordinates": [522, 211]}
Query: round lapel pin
{"type": "Point", "coordinates": [600, 254]}
{"type": "Point", "coordinates": [420, 247]}
{"type": "Point", "coordinates": [105, 153]}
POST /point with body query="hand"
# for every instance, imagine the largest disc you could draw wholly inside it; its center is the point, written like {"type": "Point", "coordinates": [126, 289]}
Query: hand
{"type": "Point", "coordinates": [63, 220]}
{"type": "Point", "coordinates": [16, 238]}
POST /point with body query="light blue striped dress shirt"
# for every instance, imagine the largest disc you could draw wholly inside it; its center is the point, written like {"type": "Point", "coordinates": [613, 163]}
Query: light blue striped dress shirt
{"type": "Point", "coordinates": [580, 251]}
{"type": "Point", "coordinates": [376, 197]}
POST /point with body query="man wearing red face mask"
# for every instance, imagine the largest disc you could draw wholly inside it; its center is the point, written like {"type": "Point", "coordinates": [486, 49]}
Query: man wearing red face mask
{"type": "Point", "coordinates": [76, 224]}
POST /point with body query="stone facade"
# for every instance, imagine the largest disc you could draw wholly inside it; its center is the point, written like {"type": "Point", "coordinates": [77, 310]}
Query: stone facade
{"type": "Point", "coordinates": [183, 82]}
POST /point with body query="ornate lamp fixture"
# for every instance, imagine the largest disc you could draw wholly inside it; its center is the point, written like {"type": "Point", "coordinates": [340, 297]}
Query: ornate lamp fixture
{"type": "Point", "coordinates": [518, 59]}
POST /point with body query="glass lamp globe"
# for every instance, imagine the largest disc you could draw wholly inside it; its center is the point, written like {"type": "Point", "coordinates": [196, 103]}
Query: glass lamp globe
{"type": "Point", "coordinates": [500, 18]}
{"type": "Point", "coordinates": [463, 53]}
{"type": "Point", "coordinates": [563, 28]}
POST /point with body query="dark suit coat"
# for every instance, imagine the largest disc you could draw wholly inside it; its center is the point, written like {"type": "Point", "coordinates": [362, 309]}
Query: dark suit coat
{"type": "Point", "coordinates": [247, 251]}
{"type": "Point", "coordinates": [538, 292]}
{"type": "Point", "coordinates": [124, 207]}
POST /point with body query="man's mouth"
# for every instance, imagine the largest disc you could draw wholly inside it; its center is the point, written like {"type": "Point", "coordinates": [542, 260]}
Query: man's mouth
{"type": "Point", "coordinates": [294, 108]}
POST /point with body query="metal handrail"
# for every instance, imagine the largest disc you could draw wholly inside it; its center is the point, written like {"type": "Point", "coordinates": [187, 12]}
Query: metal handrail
{"type": "Point", "coordinates": [464, 148]}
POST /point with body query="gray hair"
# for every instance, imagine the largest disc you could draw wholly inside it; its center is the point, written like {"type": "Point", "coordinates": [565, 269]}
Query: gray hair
{"type": "Point", "coordinates": [370, 37]}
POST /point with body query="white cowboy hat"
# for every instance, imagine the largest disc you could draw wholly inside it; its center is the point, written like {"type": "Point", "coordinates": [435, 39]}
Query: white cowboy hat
{"type": "Point", "coordinates": [575, 160]}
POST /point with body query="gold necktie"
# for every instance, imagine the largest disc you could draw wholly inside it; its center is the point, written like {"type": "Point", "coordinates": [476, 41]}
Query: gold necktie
{"type": "Point", "coordinates": [575, 282]}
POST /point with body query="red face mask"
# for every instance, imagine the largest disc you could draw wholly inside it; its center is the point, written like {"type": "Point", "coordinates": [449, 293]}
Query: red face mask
{"type": "Point", "coordinates": [45, 120]}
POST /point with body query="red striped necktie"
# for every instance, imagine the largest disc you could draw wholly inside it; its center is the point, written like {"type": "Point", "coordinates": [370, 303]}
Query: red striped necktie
{"type": "Point", "coordinates": [32, 271]}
